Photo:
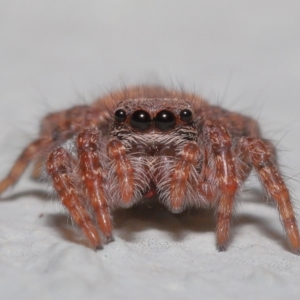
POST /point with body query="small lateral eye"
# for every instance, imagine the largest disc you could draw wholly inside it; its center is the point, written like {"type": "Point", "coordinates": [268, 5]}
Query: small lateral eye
{"type": "Point", "coordinates": [165, 120]}
{"type": "Point", "coordinates": [120, 115]}
{"type": "Point", "coordinates": [140, 120]}
{"type": "Point", "coordinates": [186, 116]}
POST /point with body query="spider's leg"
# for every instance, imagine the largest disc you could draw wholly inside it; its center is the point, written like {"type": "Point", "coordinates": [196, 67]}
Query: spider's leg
{"type": "Point", "coordinates": [221, 164]}
{"type": "Point", "coordinates": [56, 128]}
{"type": "Point", "coordinates": [93, 177]}
{"type": "Point", "coordinates": [28, 154]}
{"type": "Point", "coordinates": [37, 168]}
{"type": "Point", "coordinates": [260, 154]}
{"type": "Point", "coordinates": [60, 169]}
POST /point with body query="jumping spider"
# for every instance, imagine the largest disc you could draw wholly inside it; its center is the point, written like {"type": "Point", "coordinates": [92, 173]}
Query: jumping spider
{"type": "Point", "coordinates": [146, 141]}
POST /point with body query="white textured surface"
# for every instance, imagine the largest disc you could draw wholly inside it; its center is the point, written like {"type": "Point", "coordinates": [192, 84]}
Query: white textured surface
{"type": "Point", "coordinates": [242, 54]}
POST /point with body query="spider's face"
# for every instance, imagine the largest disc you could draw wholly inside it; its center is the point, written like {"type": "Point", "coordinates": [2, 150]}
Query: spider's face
{"type": "Point", "coordinates": [154, 124]}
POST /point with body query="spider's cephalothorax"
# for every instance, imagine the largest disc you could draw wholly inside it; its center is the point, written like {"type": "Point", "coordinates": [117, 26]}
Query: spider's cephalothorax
{"type": "Point", "coordinates": [154, 133]}
{"type": "Point", "coordinates": [149, 141]}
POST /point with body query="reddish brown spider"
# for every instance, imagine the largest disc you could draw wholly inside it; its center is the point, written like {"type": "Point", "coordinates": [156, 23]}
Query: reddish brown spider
{"type": "Point", "coordinates": [153, 142]}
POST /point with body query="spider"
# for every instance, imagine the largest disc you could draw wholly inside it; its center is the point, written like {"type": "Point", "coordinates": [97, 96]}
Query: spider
{"type": "Point", "coordinates": [148, 141]}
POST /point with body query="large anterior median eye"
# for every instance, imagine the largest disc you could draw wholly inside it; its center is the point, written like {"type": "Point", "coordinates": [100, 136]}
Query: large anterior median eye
{"type": "Point", "coordinates": [165, 120]}
{"type": "Point", "coordinates": [120, 115]}
{"type": "Point", "coordinates": [140, 120]}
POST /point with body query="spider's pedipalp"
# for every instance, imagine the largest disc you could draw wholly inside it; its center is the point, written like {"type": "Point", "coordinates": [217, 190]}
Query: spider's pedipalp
{"type": "Point", "coordinates": [123, 170]}
{"type": "Point", "coordinates": [181, 173]}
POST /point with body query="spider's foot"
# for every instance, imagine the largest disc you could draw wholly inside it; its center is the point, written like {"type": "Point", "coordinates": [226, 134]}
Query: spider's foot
{"type": "Point", "coordinates": [296, 251]}
{"type": "Point", "coordinates": [5, 184]}
{"type": "Point", "coordinates": [99, 247]}
{"type": "Point", "coordinates": [221, 248]}
{"type": "Point", "coordinates": [109, 239]}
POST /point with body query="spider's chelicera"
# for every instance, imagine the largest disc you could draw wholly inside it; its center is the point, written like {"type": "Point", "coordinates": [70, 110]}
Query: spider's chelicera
{"type": "Point", "coordinates": [169, 145]}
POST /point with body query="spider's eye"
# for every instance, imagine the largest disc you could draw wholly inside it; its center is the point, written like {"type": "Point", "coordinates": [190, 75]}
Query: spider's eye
{"type": "Point", "coordinates": [140, 120]}
{"type": "Point", "coordinates": [165, 120]}
{"type": "Point", "coordinates": [186, 116]}
{"type": "Point", "coordinates": [120, 115]}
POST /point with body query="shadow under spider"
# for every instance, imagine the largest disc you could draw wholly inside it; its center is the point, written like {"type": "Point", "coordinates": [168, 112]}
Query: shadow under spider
{"type": "Point", "coordinates": [39, 194]}
{"type": "Point", "coordinates": [264, 228]}
{"type": "Point", "coordinates": [148, 215]}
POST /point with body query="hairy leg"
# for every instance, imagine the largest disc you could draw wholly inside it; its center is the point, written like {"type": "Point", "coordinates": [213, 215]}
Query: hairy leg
{"type": "Point", "coordinates": [221, 164]}
{"type": "Point", "coordinates": [60, 169]}
{"type": "Point", "coordinates": [28, 154]}
{"type": "Point", "coordinates": [56, 128]}
{"type": "Point", "coordinates": [92, 174]}
{"type": "Point", "coordinates": [261, 155]}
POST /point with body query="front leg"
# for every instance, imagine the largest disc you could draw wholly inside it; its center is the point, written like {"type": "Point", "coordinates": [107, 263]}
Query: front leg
{"type": "Point", "coordinates": [60, 168]}
{"type": "Point", "coordinates": [83, 188]}
{"type": "Point", "coordinates": [222, 174]}
{"type": "Point", "coordinates": [93, 178]}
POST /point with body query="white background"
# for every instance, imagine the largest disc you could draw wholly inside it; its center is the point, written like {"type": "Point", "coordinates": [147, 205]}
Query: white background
{"type": "Point", "coordinates": [243, 55]}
